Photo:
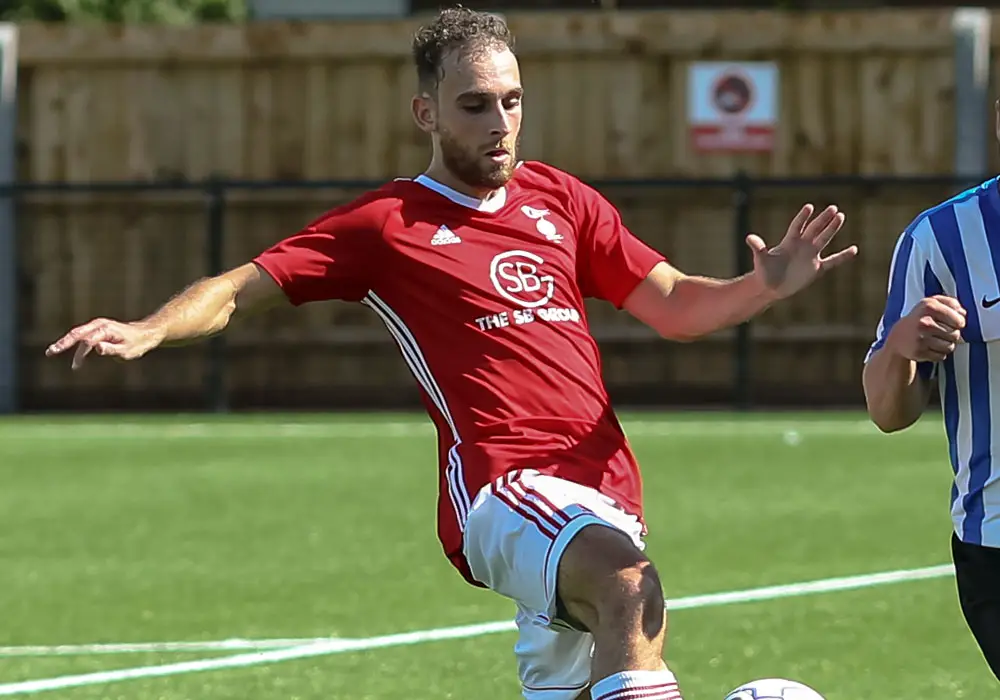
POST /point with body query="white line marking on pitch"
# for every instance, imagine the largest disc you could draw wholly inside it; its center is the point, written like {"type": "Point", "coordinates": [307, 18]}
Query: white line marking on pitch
{"type": "Point", "coordinates": [340, 646]}
{"type": "Point", "coordinates": [157, 647]}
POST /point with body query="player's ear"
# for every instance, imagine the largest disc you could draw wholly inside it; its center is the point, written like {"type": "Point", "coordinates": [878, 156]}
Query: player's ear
{"type": "Point", "coordinates": [424, 112]}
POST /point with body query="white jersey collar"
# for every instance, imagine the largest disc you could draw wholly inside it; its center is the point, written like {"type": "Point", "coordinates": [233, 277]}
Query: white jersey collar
{"type": "Point", "coordinates": [490, 206]}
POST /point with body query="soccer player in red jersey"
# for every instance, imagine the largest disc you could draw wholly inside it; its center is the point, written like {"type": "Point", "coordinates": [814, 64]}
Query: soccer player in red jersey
{"type": "Point", "coordinates": [479, 268]}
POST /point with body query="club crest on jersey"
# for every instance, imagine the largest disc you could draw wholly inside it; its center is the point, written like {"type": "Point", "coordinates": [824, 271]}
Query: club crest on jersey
{"type": "Point", "coordinates": [544, 226]}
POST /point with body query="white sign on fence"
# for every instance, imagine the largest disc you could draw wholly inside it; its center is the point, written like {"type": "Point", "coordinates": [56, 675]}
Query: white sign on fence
{"type": "Point", "coordinates": [733, 106]}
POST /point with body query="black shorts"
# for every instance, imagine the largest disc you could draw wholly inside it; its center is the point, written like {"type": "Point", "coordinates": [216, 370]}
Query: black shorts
{"type": "Point", "coordinates": [977, 571]}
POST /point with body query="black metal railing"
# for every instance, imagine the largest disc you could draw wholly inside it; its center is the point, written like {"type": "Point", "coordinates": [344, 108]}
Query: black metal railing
{"type": "Point", "coordinates": [741, 199]}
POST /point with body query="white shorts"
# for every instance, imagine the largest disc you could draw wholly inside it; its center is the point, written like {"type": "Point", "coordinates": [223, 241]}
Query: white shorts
{"type": "Point", "coordinates": [516, 532]}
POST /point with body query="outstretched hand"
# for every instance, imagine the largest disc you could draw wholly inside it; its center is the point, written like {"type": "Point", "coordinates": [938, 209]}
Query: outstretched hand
{"type": "Point", "coordinates": [125, 341]}
{"type": "Point", "coordinates": [797, 260]}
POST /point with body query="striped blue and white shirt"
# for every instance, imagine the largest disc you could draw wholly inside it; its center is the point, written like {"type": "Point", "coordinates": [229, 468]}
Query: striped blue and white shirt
{"type": "Point", "coordinates": [954, 249]}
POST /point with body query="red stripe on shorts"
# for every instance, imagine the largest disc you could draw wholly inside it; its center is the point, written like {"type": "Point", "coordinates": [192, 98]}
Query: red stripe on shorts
{"type": "Point", "coordinates": [661, 691]}
{"type": "Point", "coordinates": [516, 504]}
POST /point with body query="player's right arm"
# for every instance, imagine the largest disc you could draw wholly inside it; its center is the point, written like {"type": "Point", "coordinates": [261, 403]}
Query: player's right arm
{"type": "Point", "coordinates": [201, 310]}
{"type": "Point", "coordinates": [920, 327]}
{"type": "Point", "coordinates": [329, 259]}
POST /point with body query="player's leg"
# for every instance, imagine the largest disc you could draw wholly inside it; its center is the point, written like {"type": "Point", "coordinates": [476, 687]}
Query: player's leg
{"type": "Point", "coordinates": [553, 662]}
{"type": "Point", "coordinates": [607, 586]}
{"type": "Point", "coordinates": [512, 543]}
{"type": "Point", "coordinates": [516, 537]}
{"type": "Point", "coordinates": [977, 573]}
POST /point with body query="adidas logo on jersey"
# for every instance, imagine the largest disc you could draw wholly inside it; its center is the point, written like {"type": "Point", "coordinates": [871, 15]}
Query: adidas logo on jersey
{"type": "Point", "coordinates": [445, 236]}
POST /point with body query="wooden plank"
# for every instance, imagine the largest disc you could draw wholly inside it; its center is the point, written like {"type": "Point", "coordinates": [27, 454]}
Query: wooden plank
{"type": "Point", "coordinates": [47, 148]}
{"type": "Point", "coordinates": [616, 116]}
{"type": "Point", "coordinates": [876, 122]}
{"type": "Point", "coordinates": [681, 160]}
{"type": "Point", "coordinates": [904, 110]}
{"type": "Point", "coordinates": [164, 104]}
{"type": "Point", "coordinates": [936, 139]}
{"type": "Point", "coordinates": [319, 101]}
{"type": "Point", "coordinates": [230, 128]}
{"type": "Point", "coordinates": [377, 143]}
{"type": "Point", "coordinates": [844, 120]}
{"type": "Point", "coordinates": [260, 106]}
{"type": "Point", "coordinates": [199, 122]}
{"type": "Point", "coordinates": [812, 93]}
{"type": "Point", "coordinates": [287, 138]}
{"type": "Point", "coordinates": [791, 105]}
{"type": "Point", "coordinates": [136, 137]}
{"type": "Point", "coordinates": [564, 120]}
{"type": "Point", "coordinates": [633, 32]}
{"type": "Point", "coordinates": [348, 115]}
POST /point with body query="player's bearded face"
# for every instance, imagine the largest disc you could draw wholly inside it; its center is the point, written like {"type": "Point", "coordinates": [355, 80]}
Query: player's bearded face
{"type": "Point", "coordinates": [478, 109]}
{"type": "Point", "coordinates": [476, 165]}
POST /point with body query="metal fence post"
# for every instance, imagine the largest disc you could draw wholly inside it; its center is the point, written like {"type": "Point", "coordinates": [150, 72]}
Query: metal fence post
{"type": "Point", "coordinates": [9, 269]}
{"type": "Point", "coordinates": [215, 379]}
{"type": "Point", "coordinates": [742, 360]}
{"type": "Point", "coordinates": [973, 125]}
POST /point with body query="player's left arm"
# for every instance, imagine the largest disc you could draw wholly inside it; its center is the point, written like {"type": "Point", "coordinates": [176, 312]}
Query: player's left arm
{"type": "Point", "coordinates": [615, 265]}
{"type": "Point", "coordinates": [684, 307]}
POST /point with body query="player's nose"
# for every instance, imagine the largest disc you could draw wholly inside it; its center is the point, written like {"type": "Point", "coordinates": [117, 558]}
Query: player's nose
{"type": "Point", "coordinates": [499, 131]}
{"type": "Point", "coordinates": [501, 123]}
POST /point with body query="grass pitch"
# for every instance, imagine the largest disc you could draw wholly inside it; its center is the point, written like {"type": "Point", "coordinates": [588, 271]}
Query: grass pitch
{"type": "Point", "coordinates": [135, 530]}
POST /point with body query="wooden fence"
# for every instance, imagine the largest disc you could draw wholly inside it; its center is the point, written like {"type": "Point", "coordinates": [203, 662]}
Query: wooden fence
{"type": "Point", "coordinates": [862, 93]}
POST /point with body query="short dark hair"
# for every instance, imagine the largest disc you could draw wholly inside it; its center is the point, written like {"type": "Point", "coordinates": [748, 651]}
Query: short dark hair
{"type": "Point", "coordinates": [456, 28]}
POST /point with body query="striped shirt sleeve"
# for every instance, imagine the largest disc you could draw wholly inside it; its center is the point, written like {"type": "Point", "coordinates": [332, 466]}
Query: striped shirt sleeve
{"type": "Point", "coordinates": [910, 280]}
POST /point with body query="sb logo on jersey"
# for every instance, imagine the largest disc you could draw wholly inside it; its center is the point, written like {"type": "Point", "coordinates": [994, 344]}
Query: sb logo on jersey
{"type": "Point", "coordinates": [517, 276]}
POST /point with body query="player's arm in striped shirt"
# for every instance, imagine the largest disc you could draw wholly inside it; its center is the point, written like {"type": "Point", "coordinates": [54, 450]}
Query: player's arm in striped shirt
{"type": "Point", "coordinates": [919, 328]}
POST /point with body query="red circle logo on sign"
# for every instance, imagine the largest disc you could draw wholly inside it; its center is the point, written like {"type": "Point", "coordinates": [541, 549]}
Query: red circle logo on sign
{"type": "Point", "coordinates": [732, 93]}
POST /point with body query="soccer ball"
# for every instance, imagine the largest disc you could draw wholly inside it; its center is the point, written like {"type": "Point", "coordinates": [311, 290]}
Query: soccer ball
{"type": "Point", "coordinates": [773, 689]}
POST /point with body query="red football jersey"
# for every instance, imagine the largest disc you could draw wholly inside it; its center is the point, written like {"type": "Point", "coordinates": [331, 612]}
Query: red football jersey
{"type": "Point", "coordinates": [485, 300]}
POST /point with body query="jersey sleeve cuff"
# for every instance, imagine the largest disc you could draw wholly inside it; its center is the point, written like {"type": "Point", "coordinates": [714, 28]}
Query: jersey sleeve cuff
{"type": "Point", "coordinates": [644, 264]}
{"type": "Point", "coordinates": [270, 266]}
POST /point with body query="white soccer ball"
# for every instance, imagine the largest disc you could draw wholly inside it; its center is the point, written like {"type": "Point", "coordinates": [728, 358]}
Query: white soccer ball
{"type": "Point", "coordinates": [773, 689]}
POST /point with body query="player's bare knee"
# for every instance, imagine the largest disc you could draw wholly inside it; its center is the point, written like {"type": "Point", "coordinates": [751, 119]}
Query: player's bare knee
{"type": "Point", "coordinates": [605, 582]}
{"type": "Point", "coordinates": [635, 600]}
